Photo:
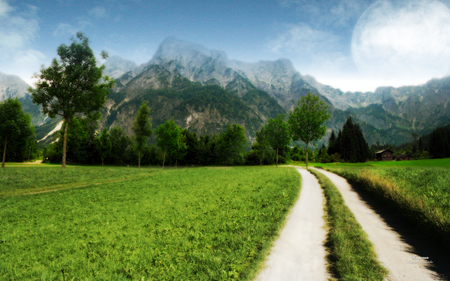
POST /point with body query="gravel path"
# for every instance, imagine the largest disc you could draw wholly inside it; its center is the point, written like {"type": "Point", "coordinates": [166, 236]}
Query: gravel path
{"type": "Point", "coordinates": [394, 254]}
{"type": "Point", "coordinates": [298, 253]}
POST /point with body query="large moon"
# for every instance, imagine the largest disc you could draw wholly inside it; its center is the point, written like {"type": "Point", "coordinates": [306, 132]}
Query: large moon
{"type": "Point", "coordinates": [406, 39]}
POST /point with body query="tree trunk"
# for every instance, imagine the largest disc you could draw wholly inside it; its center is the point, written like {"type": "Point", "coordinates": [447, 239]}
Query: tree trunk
{"type": "Point", "coordinates": [164, 158]}
{"type": "Point", "coordinates": [139, 159]}
{"type": "Point", "coordinates": [65, 145]}
{"type": "Point", "coordinates": [102, 162]}
{"type": "Point", "coordinates": [4, 153]}
{"type": "Point", "coordinates": [277, 157]}
{"type": "Point", "coordinates": [176, 163]}
{"type": "Point", "coordinates": [307, 155]}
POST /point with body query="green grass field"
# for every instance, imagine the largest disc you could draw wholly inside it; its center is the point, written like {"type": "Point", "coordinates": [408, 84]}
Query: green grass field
{"type": "Point", "coordinates": [420, 189]}
{"type": "Point", "coordinates": [351, 254]}
{"type": "Point", "coordinates": [174, 224]}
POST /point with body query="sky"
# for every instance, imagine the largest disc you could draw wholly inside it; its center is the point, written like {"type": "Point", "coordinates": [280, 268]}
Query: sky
{"type": "Point", "coordinates": [353, 45]}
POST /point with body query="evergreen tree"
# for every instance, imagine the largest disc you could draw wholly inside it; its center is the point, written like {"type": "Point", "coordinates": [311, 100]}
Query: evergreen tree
{"type": "Point", "coordinates": [142, 129]}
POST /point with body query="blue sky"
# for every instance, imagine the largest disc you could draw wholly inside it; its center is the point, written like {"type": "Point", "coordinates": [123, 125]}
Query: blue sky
{"type": "Point", "coordinates": [353, 45]}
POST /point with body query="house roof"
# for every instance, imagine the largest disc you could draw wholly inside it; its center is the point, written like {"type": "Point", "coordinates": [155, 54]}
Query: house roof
{"type": "Point", "coordinates": [384, 150]}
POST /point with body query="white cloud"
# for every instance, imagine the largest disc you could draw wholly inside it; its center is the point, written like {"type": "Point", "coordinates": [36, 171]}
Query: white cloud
{"type": "Point", "coordinates": [405, 41]}
{"type": "Point", "coordinates": [17, 33]}
{"type": "Point", "coordinates": [333, 13]}
{"type": "Point", "coordinates": [4, 8]}
{"type": "Point", "coordinates": [302, 39]}
{"type": "Point", "coordinates": [64, 29]}
{"type": "Point", "coordinates": [98, 12]}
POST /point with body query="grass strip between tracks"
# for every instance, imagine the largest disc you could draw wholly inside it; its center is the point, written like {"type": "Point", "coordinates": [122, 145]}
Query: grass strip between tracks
{"type": "Point", "coordinates": [351, 255]}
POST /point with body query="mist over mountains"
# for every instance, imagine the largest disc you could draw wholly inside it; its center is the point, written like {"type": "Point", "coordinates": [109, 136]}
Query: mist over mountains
{"type": "Point", "coordinates": [204, 91]}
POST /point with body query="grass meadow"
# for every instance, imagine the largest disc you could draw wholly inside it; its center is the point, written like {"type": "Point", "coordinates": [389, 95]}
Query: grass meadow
{"type": "Point", "coordinates": [351, 254]}
{"type": "Point", "coordinates": [147, 224]}
{"type": "Point", "coordinates": [420, 190]}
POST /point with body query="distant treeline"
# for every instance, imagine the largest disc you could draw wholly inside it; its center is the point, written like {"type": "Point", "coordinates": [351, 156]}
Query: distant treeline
{"type": "Point", "coordinates": [433, 145]}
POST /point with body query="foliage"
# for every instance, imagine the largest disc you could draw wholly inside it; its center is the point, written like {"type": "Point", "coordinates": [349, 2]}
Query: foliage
{"type": "Point", "coordinates": [104, 142]}
{"type": "Point", "coordinates": [350, 144]}
{"type": "Point", "coordinates": [306, 121]}
{"type": "Point", "coordinates": [169, 138]}
{"type": "Point", "coordinates": [231, 144]}
{"type": "Point", "coordinates": [16, 131]}
{"type": "Point", "coordinates": [261, 147]}
{"type": "Point", "coordinates": [277, 134]}
{"type": "Point", "coordinates": [142, 128]}
{"type": "Point", "coordinates": [120, 147]}
{"type": "Point", "coordinates": [352, 255]}
{"type": "Point", "coordinates": [167, 225]}
{"type": "Point", "coordinates": [71, 85]}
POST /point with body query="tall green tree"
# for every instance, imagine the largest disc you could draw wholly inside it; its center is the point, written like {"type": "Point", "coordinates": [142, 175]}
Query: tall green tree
{"type": "Point", "coordinates": [142, 129]}
{"type": "Point", "coordinates": [105, 145]}
{"type": "Point", "coordinates": [262, 145]}
{"type": "Point", "coordinates": [71, 84]}
{"type": "Point", "coordinates": [15, 125]}
{"type": "Point", "coordinates": [306, 121]}
{"type": "Point", "coordinates": [231, 143]}
{"type": "Point", "coordinates": [277, 133]}
{"type": "Point", "coordinates": [168, 138]}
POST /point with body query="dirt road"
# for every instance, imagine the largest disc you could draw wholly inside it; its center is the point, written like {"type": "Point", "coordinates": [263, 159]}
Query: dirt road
{"type": "Point", "coordinates": [394, 254]}
{"type": "Point", "coordinates": [298, 253]}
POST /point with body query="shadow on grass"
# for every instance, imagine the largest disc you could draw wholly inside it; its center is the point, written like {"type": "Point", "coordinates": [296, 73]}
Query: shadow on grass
{"type": "Point", "coordinates": [422, 242]}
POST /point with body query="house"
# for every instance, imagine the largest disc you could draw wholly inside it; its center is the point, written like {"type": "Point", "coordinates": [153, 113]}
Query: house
{"type": "Point", "coordinates": [385, 155]}
{"type": "Point", "coordinates": [404, 157]}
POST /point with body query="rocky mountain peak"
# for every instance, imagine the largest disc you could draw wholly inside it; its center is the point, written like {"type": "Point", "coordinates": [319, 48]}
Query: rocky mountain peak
{"type": "Point", "coordinates": [12, 86]}
{"type": "Point", "coordinates": [116, 66]}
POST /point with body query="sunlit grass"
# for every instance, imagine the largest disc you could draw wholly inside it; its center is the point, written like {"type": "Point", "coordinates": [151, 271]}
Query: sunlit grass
{"type": "Point", "coordinates": [422, 193]}
{"type": "Point", "coordinates": [185, 224]}
{"type": "Point", "coordinates": [352, 256]}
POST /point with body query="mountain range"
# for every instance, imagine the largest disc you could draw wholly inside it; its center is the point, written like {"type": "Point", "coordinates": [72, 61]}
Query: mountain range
{"type": "Point", "coordinates": [204, 91]}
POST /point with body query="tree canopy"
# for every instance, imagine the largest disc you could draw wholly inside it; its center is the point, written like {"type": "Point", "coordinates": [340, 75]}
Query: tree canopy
{"type": "Point", "coordinates": [15, 126]}
{"type": "Point", "coordinates": [71, 85]}
{"type": "Point", "coordinates": [277, 133]}
{"type": "Point", "coordinates": [306, 121]}
{"type": "Point", "coordinates": [169, 138]}
{"type": "Point", "coordinates": [142, 129]}
{"type": "Point", "coordinates": [231, 143]}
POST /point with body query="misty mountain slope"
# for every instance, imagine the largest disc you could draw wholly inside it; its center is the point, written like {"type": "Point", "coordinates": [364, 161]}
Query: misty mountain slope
{"type": "Point", "coordinates": [116, 66]}
{"type": "Point", "coordinates": [202, 109]}
{"type": "Point", "coordinates": [12, 86]}
{"type": "Point", "coordinates": [210, 67]}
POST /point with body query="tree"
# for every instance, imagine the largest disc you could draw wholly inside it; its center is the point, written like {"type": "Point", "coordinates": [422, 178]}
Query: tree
{"type": "Point", "coordinates": [71, 85]}
{"type": "Point", "coordinates": [306, 121]}
{"type": "Point", "coordinates": [168, 139]}
{"type": "Point", "coordinates": [121, 146]}
{"type": "Point", "coordinates": [231, 143]}
{"type": "Point", "coordinates": [277, 133]}
{"type": "Point", "coordinates": [261, 145]}
{"type": "Point", "coordinates": [105, 145]}
{"type": "Point", "coordinates": [142, 129]}
{"type": "Point", "coordinates": [15, 125]}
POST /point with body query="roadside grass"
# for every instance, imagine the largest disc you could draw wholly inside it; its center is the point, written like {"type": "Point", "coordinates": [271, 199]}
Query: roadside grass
{"type": "Point", "coordinates": [36, 178]}
{"type": "Point", "coordinates": [351, 254]}
{"type": "Point", "coordinates": [444, 162]}
{"type": "Point", "coordinates": [177, 224]}
{"type": "Point", "coordinates": [420, 194]}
